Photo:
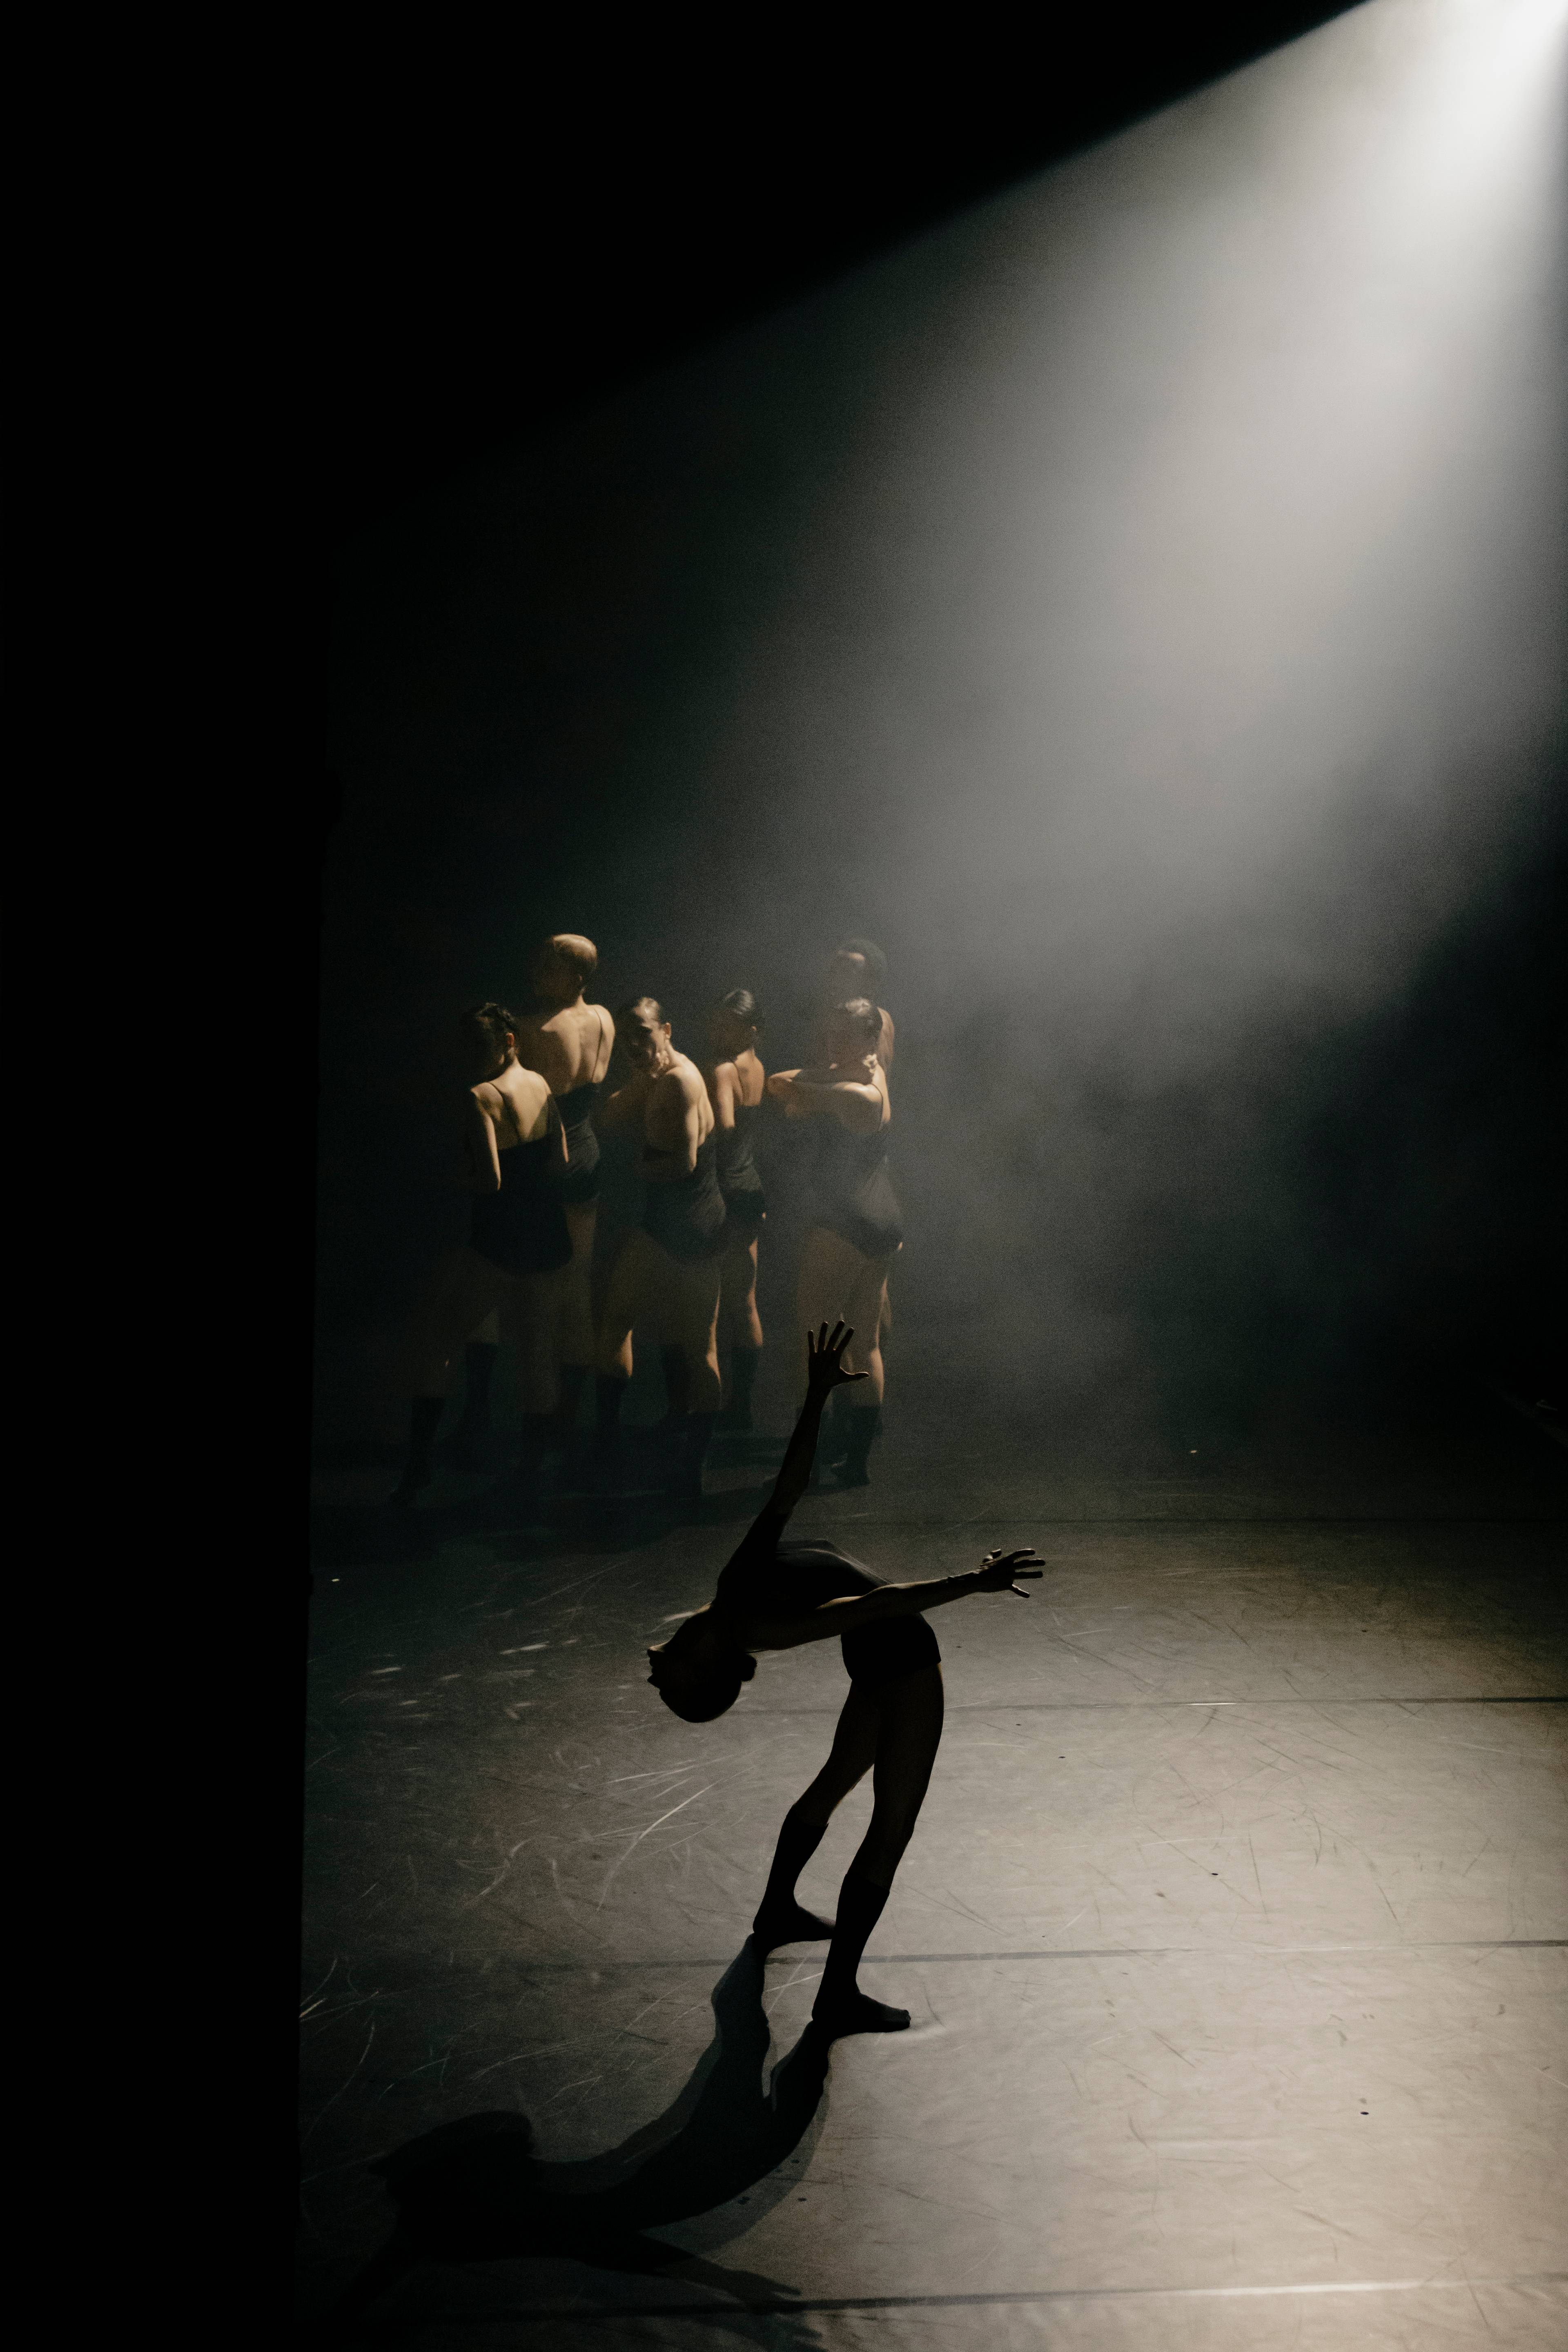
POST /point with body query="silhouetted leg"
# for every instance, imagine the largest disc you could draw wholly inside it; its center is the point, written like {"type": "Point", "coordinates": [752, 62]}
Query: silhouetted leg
{"type": "Point", "coordinates": [577, 1311]}
{"type": "Point", "coordinates": [625, 1303]}
{"type": "Point", "coordinates": [693, 1439]}
{"type": "Point", "coordinates": [743, 1362]}
{"type": "Point", "coordinates": [465, 1448]}
{"type": "Point", "coordinates": [906, 1742]}
{"type": "Point", "coordinates": [677, 1387]}
{"type": "Point", "coordinates": [741, 1323]}
{"type": "Point", "coordinates": [689, 1314]}
{"type": "Point", "coordinates": [862, 1426]}
{"type": "Point", "coordinates": [424, 1419]}
{"type": "Point", "coordinates": [573, 1381]}
{"type": "Point", "coordinates": [609, 1390]}
{"type": "Point", "coordinates": [781, 1919]}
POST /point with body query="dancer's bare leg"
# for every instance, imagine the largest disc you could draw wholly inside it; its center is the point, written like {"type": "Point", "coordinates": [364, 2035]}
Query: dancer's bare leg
{"type": "Point", "coordinates": [742, 1324]}
{"type": "Point", "coordinates": [836, 1284]}
{"type": "Point", "coordinates": [676, 1303]}
{"type": "Point", "coordinates": [531, 1318]}
{"type": "Point", "coordinates": [907, 1741]}
{"type": "Point", "coordinates": [741, 1328]}
{"type": "Point", "coordinates": [781, 1918]}
{"type": "Point", "coordinates": [462, 1290]}
{"type": "Point", "coordinates": [626, 1301]}
{"type": "Point", "coordinates": [835, 1281]}
{"type": "Point", "coordinates": [460, 1294]}
{"type": "Point", "coordinates": [466, 1446]}
{"type": "Point", "coordinates": [577, 1308]}
{"type": "Point", "coordinates": [686, 1310]}
{"type": "Point", "coordinates": [686, 1307]}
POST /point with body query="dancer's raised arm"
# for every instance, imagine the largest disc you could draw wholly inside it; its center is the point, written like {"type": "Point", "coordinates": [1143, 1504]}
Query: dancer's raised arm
{"type": "Point", "coordinates": [824, 1372]}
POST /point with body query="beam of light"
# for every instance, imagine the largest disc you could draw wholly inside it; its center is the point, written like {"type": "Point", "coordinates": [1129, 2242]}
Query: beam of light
{"type": "Point", "coordinates": [1191, 495]}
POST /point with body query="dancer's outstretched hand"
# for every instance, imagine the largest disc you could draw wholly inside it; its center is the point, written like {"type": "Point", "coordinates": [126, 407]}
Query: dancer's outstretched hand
{"type": "Point", "coordinates": [999, 1569]}
{"type": "Point", "coordinates": [824, 1371]}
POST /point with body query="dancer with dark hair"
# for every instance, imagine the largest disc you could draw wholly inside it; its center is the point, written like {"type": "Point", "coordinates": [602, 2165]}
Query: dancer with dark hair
{"type": "Point", "coordinates": [775, 1595]}
{"type": "Point", "coordinates": [518, 1248]}
{"type": "Point", "coordinates": [856, 1227]}
{"type": "Point", "coordinates": [666, 1277]}
{"type": "Point", "coordinates": [857, 968]}
{"type": "Point", "coordinates": [735, 1079]}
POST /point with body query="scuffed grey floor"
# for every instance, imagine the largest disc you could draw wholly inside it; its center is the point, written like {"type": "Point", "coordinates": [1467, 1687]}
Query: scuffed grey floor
{"type": "Point", "coordinates": [1233, 1930]}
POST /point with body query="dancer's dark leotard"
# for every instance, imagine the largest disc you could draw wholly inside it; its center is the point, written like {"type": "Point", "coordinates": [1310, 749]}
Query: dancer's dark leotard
{"type": "Point", "coordinates": [523, 1228]}
{"type": "Point", "coordinates": [854, 1192]}
{"type": "Point", "coordinates": [579, 1182]}
{"type": "Point", "coordinates": [686, 1217]}
{"type": "Point", "coordinates": [768, 1577]}
{"type": "Point", "coordinates": [740, 1179]}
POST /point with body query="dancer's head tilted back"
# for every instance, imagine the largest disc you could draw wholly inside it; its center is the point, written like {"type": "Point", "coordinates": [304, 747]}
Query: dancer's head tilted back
{"type": "Point", "coordinates": [698, 1672]}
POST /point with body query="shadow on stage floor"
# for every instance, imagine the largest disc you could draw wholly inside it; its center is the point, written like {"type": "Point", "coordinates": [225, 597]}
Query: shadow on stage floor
{"type": "Point", "coordinates": [471, 2192]}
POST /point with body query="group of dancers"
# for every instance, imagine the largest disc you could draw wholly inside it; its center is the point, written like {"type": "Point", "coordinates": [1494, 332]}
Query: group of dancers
{"type": "Point", "coordinates": [534, 1111]}
{"type": "Point", "coordinates": [686, 1274]}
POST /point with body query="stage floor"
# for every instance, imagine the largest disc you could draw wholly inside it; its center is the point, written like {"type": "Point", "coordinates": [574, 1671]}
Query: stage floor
{"type": "Point", "coordinates": [1235, 1929]}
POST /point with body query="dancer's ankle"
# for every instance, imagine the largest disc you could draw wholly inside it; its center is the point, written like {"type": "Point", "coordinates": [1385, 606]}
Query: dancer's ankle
{"type": "Point", "coordinates": [837, 2014]}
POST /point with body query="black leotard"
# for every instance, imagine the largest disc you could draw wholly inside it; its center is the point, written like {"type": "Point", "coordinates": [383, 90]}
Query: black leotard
{"type": "Point", "coordinates": [523, 1228]}
{"type": "Point", "coordinates": [854, 1192]}
{"type": "Point", "coordinates": [687, 1216]}
{"type": "Point", "coordinates": [579, 1182]}
{"type": "Point", "coordinates": [740, 1179]}
{"type": "Point", "coordinates": [767, 1577]}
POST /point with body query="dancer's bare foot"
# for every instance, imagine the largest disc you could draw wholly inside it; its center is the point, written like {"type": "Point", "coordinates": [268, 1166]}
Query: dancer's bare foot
{"type": "Point", "coordinates": [792, 1923]}
{"type": "Point", "coordinates": [859, 2015]}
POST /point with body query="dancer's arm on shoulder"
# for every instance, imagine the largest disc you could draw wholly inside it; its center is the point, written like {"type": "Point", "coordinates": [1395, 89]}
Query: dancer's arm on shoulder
{"type": "Point", "coordinates": [857, 1106]}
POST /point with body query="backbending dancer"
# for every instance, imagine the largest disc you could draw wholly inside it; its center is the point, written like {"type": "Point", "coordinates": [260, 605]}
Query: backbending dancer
{"type": "Point", "coordinates": [518, 1248]}
{"type": "Point", "coordinates": [667, 1275]}
{"type": "Point", "coordinates": [735, 1082]}
{"type": "Point", "coordinates": [856, 1227]}
{"type": "Point", "coordinates": [774, 1595]}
